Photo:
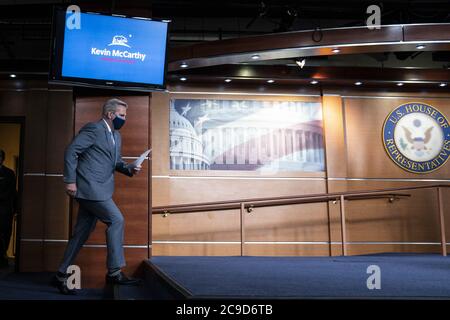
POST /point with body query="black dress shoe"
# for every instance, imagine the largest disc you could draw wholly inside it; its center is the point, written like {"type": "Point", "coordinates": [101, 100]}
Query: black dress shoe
{"type": "Point", "coordinates": [61, 284]}
{"type": "Point", "coordinates": [122, 279]}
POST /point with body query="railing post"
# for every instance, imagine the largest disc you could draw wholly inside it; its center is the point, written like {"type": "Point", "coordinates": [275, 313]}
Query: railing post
{"type": "Point", "coordinates": [242, 213]}
{"type": "Point", "coordinates": [343, 229]}
{"type": "Point", "coordinates": [442, 221]}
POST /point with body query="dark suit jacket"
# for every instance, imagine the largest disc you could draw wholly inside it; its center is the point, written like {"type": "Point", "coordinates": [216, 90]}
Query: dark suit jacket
{"type": "Point", "coordinates": [8, 193]}
{"type": "Point", "coordinates": [90, 161]}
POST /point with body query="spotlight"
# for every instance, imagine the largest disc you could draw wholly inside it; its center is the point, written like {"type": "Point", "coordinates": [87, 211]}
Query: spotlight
{"type": "Point", "coordinates": [336, 50]}
{"type": "Point", "coordinates": [420, 46]}
{"type": "Point", "coordinates": [12, 75]}
{"type": "Point", "coordinates": [270, 81]}
{"type": "Point", "coordinates": [358, 83]}
{"type": "Point", "coordinates": [184, 65]}
{"type": "Point", "coordinates": [255, 57]}
{"type": "Point", "coordinates": [443, 84]}
{"type": "Point", "coordinates": [314, 82]}
{"type": "Point", "coordinates": [227, 80]}
{"type": "Point", "coordinates": [400, 84]}
{"type": "Point", "coordinates": [301, 62]}
{"type": "Point", "coordinates": [183, 78]}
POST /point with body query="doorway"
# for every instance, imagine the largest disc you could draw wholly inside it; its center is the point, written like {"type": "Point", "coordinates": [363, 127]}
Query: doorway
{"type": "Point", "coordinates": [11, 142]}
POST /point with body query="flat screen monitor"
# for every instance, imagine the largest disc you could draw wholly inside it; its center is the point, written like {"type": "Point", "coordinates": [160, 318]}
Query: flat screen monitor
{"type": "Point", "coordinates": [109, 51]}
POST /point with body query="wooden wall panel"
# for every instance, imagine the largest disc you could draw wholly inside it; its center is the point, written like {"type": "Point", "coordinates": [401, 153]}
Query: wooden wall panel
{"type": "Point", "coordinates": [160, 134]}
{"type": "Point", "coordinates": [306, 222]}
{"type": "Point", "coordinates": [287, 249]}
{"type": "Point", "coordinates": [201, 249]}
{"type": "Point", "coordinates": [362, 249]}
{"type": "Point", "coordinates": [33, 205]}
{"type": "Point", "coordinates": [59, 129]}
{"type": "Point", "coordinates": [31, 256]}
{"type": "Point", "coordinates": [53, 254]}
{"type": "Point", "coordinates": [92, 262]}
{"type": "Point", "coordinates": [364, 123]}
{"type": "Point", "coordinates": [35, 131]}
{"type": "Point", "coordinates": [414, 219]}
{"type": "Point", "coordinates": [12, 103]}
{"type": "Point", "coordinates": [56, 217]}
{"type": "Point", "coordinates": [334, 131]}
{"type": "Point", "coordinates": [87, 109]}
{"type": "Point", "coordinates": [198, 226]}
{"type": "Point", "coordinates": [179, 190]}
{"type": "Point", "coordinates": [289, 223]}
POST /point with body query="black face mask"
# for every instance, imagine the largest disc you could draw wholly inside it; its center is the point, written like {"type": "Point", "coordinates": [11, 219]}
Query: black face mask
{"type": "Point", "coordinates": [118, 122]}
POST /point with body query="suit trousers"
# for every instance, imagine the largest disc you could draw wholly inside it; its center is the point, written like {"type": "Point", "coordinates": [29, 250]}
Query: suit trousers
{"type": "Point", "coordinates": [88, 213]}
{"type": "Point", "coordinates": [6, 219]}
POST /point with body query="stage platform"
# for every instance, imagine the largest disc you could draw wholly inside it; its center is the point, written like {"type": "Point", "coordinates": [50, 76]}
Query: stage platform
{"type": "Point", "coordinates": [403, 276]}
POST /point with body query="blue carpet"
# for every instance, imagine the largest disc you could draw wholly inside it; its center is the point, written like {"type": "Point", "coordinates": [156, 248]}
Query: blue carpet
{"type": "Point", "coordinates": [35, 286]}
{"type": "Point", "coordinates": [402, 276]}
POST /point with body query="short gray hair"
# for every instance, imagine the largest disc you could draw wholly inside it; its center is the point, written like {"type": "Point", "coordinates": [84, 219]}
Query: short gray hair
{"type": "Point", "coordinates": [112, 104]}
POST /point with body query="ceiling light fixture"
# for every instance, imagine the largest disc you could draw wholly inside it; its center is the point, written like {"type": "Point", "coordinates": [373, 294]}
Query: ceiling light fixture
{"type": "Point", "coordinates": [184, 65]}
{"type": "Point", "coordinates": [358, 83]}
{"type": "Point", "coordinates": [420, 46]}
{"type": "Point", "coordinates": [270, 81]}
{"type": "Point", "coordinates": [183, 78]}
{"type": "Point", "coordinates": [314, 82]}
{"type": "Point", "coordinates": [301, 62]}
{"type": "Point", "coordinates": [227, 80]}
{"type": "Point", "coordinates": [12, 75]}
{"type": "Point", "coordinates": [255, 57]}
{"type": "Point", "coordinates": [336, 50]}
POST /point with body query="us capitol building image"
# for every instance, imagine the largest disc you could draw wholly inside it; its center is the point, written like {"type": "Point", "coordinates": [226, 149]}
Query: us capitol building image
{"type": "Point", "coordinates": [245, 135]}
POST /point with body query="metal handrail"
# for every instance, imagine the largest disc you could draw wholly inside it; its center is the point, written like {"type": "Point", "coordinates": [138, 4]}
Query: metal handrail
{"type": "Point", "coordinates": [236, 204]}
{"type": "Point", "coordinates": [249, 205]}
{"type": "Point", "coordinates": [180, 208]}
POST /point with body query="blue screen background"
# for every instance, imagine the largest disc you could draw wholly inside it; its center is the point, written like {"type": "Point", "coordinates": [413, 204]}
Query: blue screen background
{"type": "Point", "coordinates": [97, 31]}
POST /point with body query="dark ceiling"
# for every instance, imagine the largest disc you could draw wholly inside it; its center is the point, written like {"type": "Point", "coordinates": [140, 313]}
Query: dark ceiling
{"type": "Point", "coordinates": [25, 25]}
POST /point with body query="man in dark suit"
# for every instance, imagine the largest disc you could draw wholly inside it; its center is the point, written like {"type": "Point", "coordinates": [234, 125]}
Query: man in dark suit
{"type": "Point", "coordinates": [89, 165]}
{"type": "Point", "coordinates": [8, 205]}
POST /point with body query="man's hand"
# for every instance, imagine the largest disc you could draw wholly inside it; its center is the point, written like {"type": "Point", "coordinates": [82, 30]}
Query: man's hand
{"type": "Point", "coordinates": [71, 189]}
{"type": "Point", "coordinates": [135, 169]}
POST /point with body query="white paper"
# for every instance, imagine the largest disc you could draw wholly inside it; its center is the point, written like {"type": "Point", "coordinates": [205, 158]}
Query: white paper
{"type": "Point", "coordinates": [138, 161]}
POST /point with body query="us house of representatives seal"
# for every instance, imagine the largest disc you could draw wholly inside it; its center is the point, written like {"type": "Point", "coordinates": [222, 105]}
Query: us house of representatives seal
{"type": "Point", "coordinates": [416, 137]}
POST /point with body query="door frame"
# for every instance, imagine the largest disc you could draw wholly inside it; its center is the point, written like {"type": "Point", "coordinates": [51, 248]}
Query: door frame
{"type": "Point", "coordinates": [21, 122]}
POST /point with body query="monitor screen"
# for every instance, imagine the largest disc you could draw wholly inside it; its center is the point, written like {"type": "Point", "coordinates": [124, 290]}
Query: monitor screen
{"type": "Point", "coordinates": [110, 51]}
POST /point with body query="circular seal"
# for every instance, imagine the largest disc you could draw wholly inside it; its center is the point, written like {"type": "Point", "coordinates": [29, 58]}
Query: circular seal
{"type": "Point", "coordinates": [416, 137]}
